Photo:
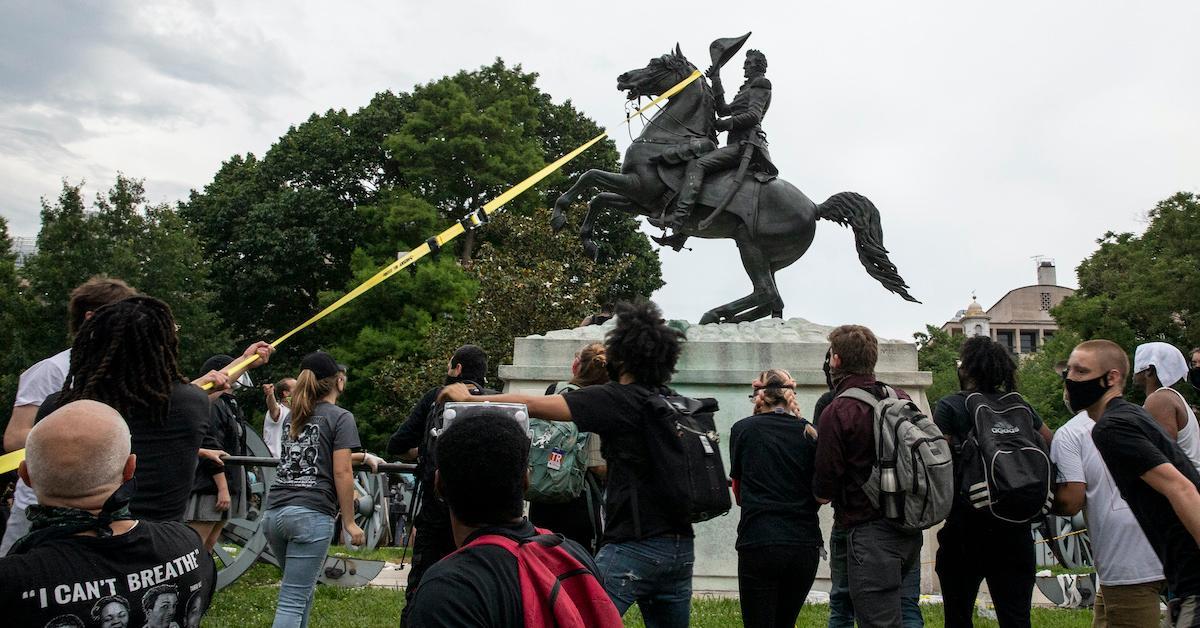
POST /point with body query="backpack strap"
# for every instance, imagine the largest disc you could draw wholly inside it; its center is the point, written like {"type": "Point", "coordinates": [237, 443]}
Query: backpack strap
{"type": "Point", "coordinates": [859, 394]}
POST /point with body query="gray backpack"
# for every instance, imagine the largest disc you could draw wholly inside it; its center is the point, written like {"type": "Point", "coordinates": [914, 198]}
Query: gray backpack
{"type": "Point", "coordinates": [912, 482]}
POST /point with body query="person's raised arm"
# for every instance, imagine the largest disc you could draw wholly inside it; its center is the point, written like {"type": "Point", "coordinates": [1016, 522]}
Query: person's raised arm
{"type": "Point", "coordinates": [272, 403]}
{"type": "Point", "coordinates": [343, 481]}
{"type": "Point", "coordinates": [261, 349]}
{"type": "Point", "coordinates": [1184, 498]}
{"type": "Point", "coordinates": [546, 407]}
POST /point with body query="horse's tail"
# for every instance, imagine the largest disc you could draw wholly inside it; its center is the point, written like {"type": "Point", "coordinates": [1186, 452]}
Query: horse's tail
{"type": "Point", "coordinates": [859, 213]}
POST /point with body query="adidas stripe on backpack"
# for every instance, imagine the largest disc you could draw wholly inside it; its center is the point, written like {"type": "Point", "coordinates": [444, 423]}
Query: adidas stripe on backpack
{"type": "Point", "coordinates": [912, 481]}
{"type": "Point", "coordinates": [1006, 469]}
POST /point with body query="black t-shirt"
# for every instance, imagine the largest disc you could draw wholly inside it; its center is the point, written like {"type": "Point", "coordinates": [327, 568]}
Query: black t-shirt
{"type": "Point", "coordinates": [157, 574]}
{"type": "Point", "coordinates": [772, 459]}
{"type": "Point", "coordinates": [479, 586]}
{"type": "Point", "coordinates": [167, 452]}
{"type": "Point", "coordinates": [226, 432]}
{"type": "Point", "coordinates": [1131, 443]}
{"type": "Point", "coordinates": [615, 412]}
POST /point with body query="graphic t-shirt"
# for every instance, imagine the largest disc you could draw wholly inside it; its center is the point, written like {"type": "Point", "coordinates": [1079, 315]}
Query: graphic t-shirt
{"type": "Point", "coordinates": [1120, 549]}
{"type": "Point", "coordinates": [156, 575]}
{"type": "Point", "coordinates": [38, 382]}
{"type": "Point", "coordinates": [305, 474]}
{"type": "Point", "coordinates": [1131, 444]}
{"type": "Point", "coordinates": [615, 411]}
{"type": "Point", "coordinates": [772, 460]}
{"type": "Point", "coordinates": [167, 452]}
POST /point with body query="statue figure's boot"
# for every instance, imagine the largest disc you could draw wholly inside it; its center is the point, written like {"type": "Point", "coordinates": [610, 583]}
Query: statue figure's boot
{"type": "Point", "coordinates": [693, 180]}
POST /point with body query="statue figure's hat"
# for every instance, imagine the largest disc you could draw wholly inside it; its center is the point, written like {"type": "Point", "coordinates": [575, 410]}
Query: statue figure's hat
{"type": "Point", "coordinates": [722, 50]}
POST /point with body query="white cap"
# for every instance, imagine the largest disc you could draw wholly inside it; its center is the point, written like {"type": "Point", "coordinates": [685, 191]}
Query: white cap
{"type": "Point", "coordinates": [1169, 364]}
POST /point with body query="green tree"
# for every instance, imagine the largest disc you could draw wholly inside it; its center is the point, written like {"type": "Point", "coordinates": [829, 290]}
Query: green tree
{"type": "Point", "coordinates": [1136, 289]}
{"type": "Point", "coordinates": [149, 246]}
{"type": "Point", "coordinates": [17, 324]}
{"type": "Point", "coordinates": [1039, 381]}
{"type": "Point", "coordinates": [937, 352]}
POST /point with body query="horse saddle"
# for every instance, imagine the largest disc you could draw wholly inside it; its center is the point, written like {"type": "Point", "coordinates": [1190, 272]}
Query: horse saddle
{"type": "Point", "coordinates": [743, 205]}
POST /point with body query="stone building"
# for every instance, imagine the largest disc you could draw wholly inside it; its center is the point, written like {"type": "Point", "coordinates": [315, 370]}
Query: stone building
{"type": "Point", "coordinates": [1021, 319]}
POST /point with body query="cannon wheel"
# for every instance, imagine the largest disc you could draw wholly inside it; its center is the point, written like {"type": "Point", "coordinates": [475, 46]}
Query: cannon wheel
{"type": "Point", "coordinates": [243, 539]}
{"type": "Point", "coordinates": [371, 507]}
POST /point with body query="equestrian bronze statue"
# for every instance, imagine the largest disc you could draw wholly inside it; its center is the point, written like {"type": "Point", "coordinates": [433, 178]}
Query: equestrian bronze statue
{"type": "Point", "coordinates": [675, 175]}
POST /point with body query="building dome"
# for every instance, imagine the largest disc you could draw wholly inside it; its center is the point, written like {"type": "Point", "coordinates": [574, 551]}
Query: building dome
{"type": "Point", "coordinates": [974, 309]}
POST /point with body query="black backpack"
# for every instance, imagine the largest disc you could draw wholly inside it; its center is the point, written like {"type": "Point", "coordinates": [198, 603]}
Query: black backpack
{"type": "Point", "coordinates": [685, 458]}
{"type": "Point", "coordinates": [1005, 465]}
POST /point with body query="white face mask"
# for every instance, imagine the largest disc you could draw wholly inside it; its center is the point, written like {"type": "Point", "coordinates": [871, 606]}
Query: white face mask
{"type": "Point", "coordinates": [243, 382]}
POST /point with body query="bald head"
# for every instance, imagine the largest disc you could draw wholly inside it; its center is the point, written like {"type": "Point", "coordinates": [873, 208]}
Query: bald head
{"type": "Point", "coordinates": [78, 455]}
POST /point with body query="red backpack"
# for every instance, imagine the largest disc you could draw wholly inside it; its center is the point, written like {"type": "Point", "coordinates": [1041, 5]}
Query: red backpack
{"type": "Point", "coordinates": [556, 589]}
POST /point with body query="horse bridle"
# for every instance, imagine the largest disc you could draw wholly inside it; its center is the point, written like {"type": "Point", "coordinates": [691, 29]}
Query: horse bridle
{"type": "Point", "coordinates": [664, 112]}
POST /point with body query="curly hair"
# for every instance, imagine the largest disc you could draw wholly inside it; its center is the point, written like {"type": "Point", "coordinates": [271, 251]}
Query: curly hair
{"type": "Point", "coordinates": [987, 366]}
{"type": "Point", "coordinates": [593, 366]}
{"type": "Point", "coordinates": [642, 345]}
{"type": "Point", "coordinates": [126, 356]}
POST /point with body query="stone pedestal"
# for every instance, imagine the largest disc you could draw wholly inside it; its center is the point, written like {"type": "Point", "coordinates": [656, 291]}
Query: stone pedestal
{"type": "Point", "coordinates": [721, 361]}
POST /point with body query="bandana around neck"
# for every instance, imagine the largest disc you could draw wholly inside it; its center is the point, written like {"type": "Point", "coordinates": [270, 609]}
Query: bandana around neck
{"type": "Point", "coordinates": [55, 522]}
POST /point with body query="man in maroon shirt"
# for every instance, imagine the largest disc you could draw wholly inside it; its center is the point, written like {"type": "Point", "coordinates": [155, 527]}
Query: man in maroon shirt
{"type": "Point", "coordinates": [879, 552]}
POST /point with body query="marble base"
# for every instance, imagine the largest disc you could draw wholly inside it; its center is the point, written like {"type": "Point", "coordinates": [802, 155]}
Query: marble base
{"type": "Point", "coordinates": [721, 360]}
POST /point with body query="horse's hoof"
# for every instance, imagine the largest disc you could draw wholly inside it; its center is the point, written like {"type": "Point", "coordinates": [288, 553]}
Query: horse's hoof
{"type": "Point", "coordinates": [591, 250]}
{"type": "Point", "coordinates": [558, 221]}
{"type": "Point", "coordinates": [709, 317]}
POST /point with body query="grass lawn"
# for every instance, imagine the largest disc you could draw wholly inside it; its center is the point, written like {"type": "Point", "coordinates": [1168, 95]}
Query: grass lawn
{"type": "Point", "coordinates": [251, 602]}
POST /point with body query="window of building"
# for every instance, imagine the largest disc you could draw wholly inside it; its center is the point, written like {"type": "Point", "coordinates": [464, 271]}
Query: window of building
{"type": "Point", "coordinates": [1047, 335]}
{"type": "Point", "coordinates": [979, 330]}
{"type": "Point", "coordinates": [1029, 341]}
{"type": "Point", "coordinates": [1005, 338]}
{"type": "Point", "coordinates": [956, 331]}
{"type": "Point", "coordinates": [1045, 301]}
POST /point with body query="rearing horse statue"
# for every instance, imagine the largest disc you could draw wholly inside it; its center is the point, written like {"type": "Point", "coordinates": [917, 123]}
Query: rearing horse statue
{"type": "Point", "coordinates": [771, 221]}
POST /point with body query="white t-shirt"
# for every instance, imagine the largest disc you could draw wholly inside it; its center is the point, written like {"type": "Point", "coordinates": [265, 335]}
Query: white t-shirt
{"type": "Point", "coordinates": [38, 382]}
{"type": "Point", "coordinates": [1119, 547]}
{"type": "Point", "coordinates": [273, 430]}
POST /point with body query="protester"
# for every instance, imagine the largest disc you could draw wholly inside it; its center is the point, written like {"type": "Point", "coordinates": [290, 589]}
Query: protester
{"type": "Point", "coordinates": [1153, 474]}
{"type": "Point", "coordinates": [482, 474]}
{"type": "Point", "coordinates": [87, 558]}
{"type": "Point", "coordinates": [45, 378]}
{"type": "Point", "coordinates": [1156, 367]}
{"type": "Point", "coordinates": [1007, 559]}
{"type": "Point", "coordinates": [1194, 372]}
{"type": "Point", "coordinates": [411, 442]}
{"type": "Point", "coordinates": [217, 489]}
{"type": "Point", "coordinates": [879, 552]}
{"type": "Point", "coordinates": [278, 397]}
{"type": "Point", "coordinates": [647, 556]}
{"type": "Point", "coordinates": [126, 356]}
{"type": "Point", "coordinates": [579, 518]}
{"type": "Point", "coordinates": [306, 497]}
{"type": "Point", "coordinates": [779, 538]}
{"type": "Point", "coordinates": [1129, 575]}
{"type": "Point", "coordinates": [841, 607]}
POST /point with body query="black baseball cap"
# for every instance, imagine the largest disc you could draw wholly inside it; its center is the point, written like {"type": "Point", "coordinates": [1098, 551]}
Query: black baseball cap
{"type": "Point", "coordinates": [321, 364]}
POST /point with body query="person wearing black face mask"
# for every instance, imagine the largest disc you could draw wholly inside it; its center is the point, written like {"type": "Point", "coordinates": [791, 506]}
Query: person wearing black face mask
{"type": "Point", "coordinates": [1150, 470]}
{"type": "Point", "coordinates": [434, 538]}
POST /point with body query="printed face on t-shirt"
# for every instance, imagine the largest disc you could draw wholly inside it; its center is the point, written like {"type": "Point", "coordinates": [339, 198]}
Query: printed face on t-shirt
{"type": "Point", "coordinates": [114, 615]}
{"type": "Point", "coordinates": [163, 611]}
{"type": "Point", "coordinates": [194, 611]}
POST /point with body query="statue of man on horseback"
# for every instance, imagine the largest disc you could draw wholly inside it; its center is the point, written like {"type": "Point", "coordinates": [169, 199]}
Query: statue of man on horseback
{"type": "Point", "coordinates": [673, 173]}
{"type": "Point", "coordinates": [742, 118]}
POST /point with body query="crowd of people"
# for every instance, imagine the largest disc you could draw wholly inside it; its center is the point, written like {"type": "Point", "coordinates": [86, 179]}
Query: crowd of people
{"type": "Point", "coordinates": [123, 492]}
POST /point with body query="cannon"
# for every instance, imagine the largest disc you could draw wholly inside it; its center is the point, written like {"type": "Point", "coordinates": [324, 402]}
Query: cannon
{"type": "Point", "coordinates": [1066, 539]}
{"type": "Point", "coordinates": [244, 542]}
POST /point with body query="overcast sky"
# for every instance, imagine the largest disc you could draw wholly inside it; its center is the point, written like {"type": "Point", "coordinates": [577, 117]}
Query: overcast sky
{"type": "Point", "coordinates": [986, 133]}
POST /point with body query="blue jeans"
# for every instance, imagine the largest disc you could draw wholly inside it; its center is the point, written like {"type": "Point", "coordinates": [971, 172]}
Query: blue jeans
{"type": "Point", "coordinates": [299, 538]}
{"type": "Point", "coordinates": [656, 573]}
{"type": "Point", "coordinates": [841, 609]}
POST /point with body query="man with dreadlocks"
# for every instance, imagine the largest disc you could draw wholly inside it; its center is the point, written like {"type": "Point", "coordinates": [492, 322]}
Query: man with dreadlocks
{"type": "Point", "coordinates": [127, 356]}
{"type": "Point", "coordinates": [44, 378]}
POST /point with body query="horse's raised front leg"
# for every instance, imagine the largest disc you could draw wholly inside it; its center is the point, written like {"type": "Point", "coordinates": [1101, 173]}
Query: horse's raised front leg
{"type": "Point", "coordinates": [599, 203]}
{"type": "Point", "coordinates": [607, 181]}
